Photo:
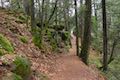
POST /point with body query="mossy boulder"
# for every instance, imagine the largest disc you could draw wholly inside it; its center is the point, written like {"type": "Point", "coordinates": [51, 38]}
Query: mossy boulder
{"type": "Point", "coordinates": [5, 44]}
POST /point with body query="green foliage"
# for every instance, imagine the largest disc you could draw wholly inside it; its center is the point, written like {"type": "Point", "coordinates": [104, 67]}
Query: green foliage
{"type": "Point", "coordinates": [53, 41]}
{"type": "Point", "coordinates": [22, 67]}
{"type": "Point", "coordinates": [57, 37]}
{"type": "Point", "coordinates": [17, 77]}
{"type": "Point", "coordinates": [66, 36]}
{"type": "Point", "coordinates": [95, 61]}
{"type": "Point", "coordinates": [37, 37]}
{"type": "Point", "coordinates": [53, 44]}
{"type": "Point", "coordinates": [114, 69]}
{"type": "Point", "coordinates": [94, 25]}
{"type": "Point", "coordinates": [16, 5]}
{"type": "Point", "coordinates": [24, 39]}
{"type": "Point", "coordinates": [11, 76]}
{"type": "Point", "coordinates": [59, 27]}
{"type": "Point", "coordinates": [22, 17]}
{"type": "Point", "coordinates": [96, 36]}
{"type": "Point", "coordinates": [2, 52]}
{"type": "Point", "coordinates": [5, 44]}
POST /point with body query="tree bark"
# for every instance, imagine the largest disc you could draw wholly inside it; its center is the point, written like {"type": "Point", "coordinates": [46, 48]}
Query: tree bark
{"type": "Point", "coordinates": [105, 41]}
{"type": "Point", "coordinates": [55, 7]}
{"type": "Point", "coordinates": [81, 22]}
{"type": "Point", "coordinates": [32, 15]}
{"type": "Point", "coordinates": [87, 33]}
{"type": "Point", "coordinates": [77, 29]}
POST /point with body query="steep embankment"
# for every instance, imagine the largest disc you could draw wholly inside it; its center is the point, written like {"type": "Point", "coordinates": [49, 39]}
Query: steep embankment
{"type": "Point", "coordinates": [14, 29]}
{"type": "Point", "coordinates": [60, 67]}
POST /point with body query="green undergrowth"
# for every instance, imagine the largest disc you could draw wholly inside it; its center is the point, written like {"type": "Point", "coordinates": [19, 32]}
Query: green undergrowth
{"type": "Point", "coordinates": [95, 61]}
{"type": "Point", "coordinates": [113, 72]}
{"type": "Point", "coordinates": [22, 18]}
{"type": "Point", "coordinates": [95, 58]}
{"type": "Point", "coordinates": [5, 45]}
{"type": "Point", "coordinates": [23, 39]}
{"type": "Point", "coordinates": [17, 77]}
{"type": "Point", "coordinates": [114, 69]}
{"type": "Point", "coordinates": [37, 37]}
{"type": "Point", "coordinates": [22, 67]}
{"type": "Point", "coordinates": [11, 76]}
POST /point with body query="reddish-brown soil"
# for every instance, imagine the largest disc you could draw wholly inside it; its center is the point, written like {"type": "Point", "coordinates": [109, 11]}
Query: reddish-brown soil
{"type": "Point", "coordinates": [70, 67]}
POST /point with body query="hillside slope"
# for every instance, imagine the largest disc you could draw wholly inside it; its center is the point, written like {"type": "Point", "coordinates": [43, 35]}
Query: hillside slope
{"type": "Point", "coordinates": [12, 28]}
{"type": "Point", "coordinates": [56, 67]}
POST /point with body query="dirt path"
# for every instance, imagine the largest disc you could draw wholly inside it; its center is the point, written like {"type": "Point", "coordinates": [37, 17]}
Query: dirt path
{"type": "Point", "coordinates": [69, 67]}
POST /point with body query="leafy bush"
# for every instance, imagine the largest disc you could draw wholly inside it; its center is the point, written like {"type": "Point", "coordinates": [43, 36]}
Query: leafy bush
{"type": "Point", "coordinates": [5, 44]}
{"type": "Point", "coordinates": [22, 67]}
{"type": "Point", "coordinates": [24, 39]}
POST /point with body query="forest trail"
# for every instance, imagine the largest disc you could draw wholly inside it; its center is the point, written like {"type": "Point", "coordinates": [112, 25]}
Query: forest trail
{"type": "Point", "coordinates": [61, 67]}
{"type": "Point", "coordinates": [69, 67]}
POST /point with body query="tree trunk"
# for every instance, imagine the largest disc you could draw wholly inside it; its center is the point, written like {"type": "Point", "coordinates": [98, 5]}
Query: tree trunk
{"type": "Point", "coordinates": [87, 33]}
{"type": "Point", "coordinates": [105, 41]}
{"type": "Point", "coordinates": [81, 22]}
{"type": "Point", "coordinates": [42, 14]}
{"type": "Point", "coordinates": [2, 3]}
{"type": "Point", "coordinates": [77, 28]}
{"type": "Point", "coordinates": [115, 42]}
{"type": "Point", "coordinates": [32, 15]}
{"type": "Point", "coordinates": [66, 14]}
{"type": "Point", "coordinates": [53, 12]}
{"type": "Point", "coordinates": [112, 51]}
